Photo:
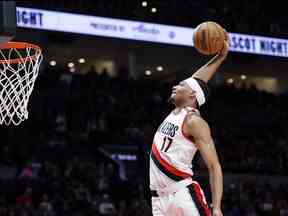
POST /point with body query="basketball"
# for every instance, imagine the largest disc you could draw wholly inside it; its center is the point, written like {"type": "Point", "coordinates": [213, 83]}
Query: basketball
{"type": "Point", "coordinates": [208, 38]}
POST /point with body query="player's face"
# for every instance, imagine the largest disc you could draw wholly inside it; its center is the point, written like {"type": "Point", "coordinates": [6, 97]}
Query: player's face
{"type": "Point", "coordinates": [181, 93]}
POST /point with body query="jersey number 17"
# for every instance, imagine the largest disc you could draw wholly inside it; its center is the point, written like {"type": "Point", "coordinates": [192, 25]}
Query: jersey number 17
{"type": "Point", "coordinates": [167, 141]}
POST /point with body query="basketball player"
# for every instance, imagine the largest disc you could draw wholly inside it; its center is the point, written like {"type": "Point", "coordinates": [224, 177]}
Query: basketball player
{"type": "Point", "coordinates": [182, 133]}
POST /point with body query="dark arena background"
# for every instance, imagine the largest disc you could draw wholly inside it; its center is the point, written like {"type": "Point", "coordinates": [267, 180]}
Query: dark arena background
{"type": "Point", "coordinates": [102, 90]}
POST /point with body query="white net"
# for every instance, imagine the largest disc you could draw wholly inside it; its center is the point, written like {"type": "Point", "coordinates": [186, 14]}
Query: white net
{"type": "Point", "coordinates": [19, 66]}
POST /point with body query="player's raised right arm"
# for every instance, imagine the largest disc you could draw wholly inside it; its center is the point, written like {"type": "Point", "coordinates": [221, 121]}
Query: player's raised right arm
{"type": "Point", "coordinates": [207, 71]}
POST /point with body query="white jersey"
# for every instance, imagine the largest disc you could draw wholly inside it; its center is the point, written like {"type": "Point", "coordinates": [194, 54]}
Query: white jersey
{"type": "Point", "coordinates": [172, 152]}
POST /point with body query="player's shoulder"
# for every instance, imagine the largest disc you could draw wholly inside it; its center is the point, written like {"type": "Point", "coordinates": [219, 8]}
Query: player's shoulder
{"type": "Point", "coordinates": [193, 115]}
{"type": "Point", "coordinates": [195, 121]}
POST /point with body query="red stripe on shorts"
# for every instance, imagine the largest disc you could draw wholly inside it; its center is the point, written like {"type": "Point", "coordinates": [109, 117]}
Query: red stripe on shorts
{"type": "Point", "coordinates": [201, 199]}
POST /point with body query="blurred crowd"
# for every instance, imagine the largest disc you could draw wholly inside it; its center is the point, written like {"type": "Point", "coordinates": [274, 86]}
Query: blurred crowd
{"type": "Point", "coordinates": [255, 196]}
{"type": "Point", "coordinates": [51, 163]}
{"type": "Point", "coordinates": [253, 123]}
{"type": "Point", "coordinates": [77, 187]}
{"type": "Point", "coordinates": [254, 17]}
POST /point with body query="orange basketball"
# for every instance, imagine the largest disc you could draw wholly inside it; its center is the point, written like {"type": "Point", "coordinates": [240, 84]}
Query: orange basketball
{"type": "Point", "coordinates": [208, 38]}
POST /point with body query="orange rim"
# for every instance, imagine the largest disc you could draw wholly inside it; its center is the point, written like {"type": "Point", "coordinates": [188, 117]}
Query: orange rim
{"type": "Point", "coordinates": [20, 45]}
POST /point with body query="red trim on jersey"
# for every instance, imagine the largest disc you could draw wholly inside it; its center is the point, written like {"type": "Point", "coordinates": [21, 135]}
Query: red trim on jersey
{"type": "Point", "coordinates": [201, 199]}
{"type": "Point", "coordinates": [167, 166]}
{"type": "Point", "coordinates": [187, 136]}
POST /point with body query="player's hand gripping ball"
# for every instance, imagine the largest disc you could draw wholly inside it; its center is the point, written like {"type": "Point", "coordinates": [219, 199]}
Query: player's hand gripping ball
{"type": "Point", "coordinates": [209, 37]}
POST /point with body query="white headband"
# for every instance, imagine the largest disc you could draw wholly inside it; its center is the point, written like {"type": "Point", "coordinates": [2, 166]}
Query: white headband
{"type": "Point", "coordinates": [194, 85]}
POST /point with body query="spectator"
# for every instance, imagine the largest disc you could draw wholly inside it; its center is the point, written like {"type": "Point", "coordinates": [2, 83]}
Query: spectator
{"type": "Point", "coordinates": [106, 207]}
{"type": "Point", "coordinates": [45, 206]}
{"type": "Point", "coordinates": [25, 199]}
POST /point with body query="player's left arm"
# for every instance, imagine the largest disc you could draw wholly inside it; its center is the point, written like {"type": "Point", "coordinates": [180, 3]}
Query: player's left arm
{"type": "Point", "coordinates": [207, 71]}
{"type": "Point", "coordinates": [200, 131]}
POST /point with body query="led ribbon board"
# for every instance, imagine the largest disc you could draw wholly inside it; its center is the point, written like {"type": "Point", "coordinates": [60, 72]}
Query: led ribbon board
{"type": "Point", "coordinates": [142, 31]}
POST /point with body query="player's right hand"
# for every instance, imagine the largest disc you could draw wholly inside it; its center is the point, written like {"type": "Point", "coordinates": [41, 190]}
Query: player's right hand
{"type": "Point", "coordinates": [216, 212]}
{"type": "Point", "coordinates": [226, 35]}
{"type": "Point", "coordinates": [224, 51]}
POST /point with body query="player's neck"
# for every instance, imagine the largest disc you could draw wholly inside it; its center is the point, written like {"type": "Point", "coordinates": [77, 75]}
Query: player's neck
{"type": "Point", "coordinates": [181, 106]}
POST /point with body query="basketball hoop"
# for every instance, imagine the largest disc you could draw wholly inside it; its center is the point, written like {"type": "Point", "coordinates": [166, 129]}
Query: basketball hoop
{"type": "Point", "coordinates": [19, 66]}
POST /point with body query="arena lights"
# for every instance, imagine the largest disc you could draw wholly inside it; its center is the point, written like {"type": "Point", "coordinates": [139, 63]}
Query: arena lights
{"type": "Point", "coordinates": [230, 80]}
{"type": "Point", "coordinates": [153, 10]}
{"type": "Point", "coordinates": [71, 65]}
{"type": "Point", "coordinates": [72, 69]}
{"type": "Point", "coordinates": [243, 77]}
{"type": "Point", "coordinates": [52, 63]}
{"type": "Point", "coordinates": [144, 4]}
{"type": "Point", "coordinates": [159, 68]}
{"type": "Point", "coordinates": [141, 31]}
{"type": "Point", "coordinates": [148, 73]}
{"type": "Point", "coordinates": [81, 60]}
